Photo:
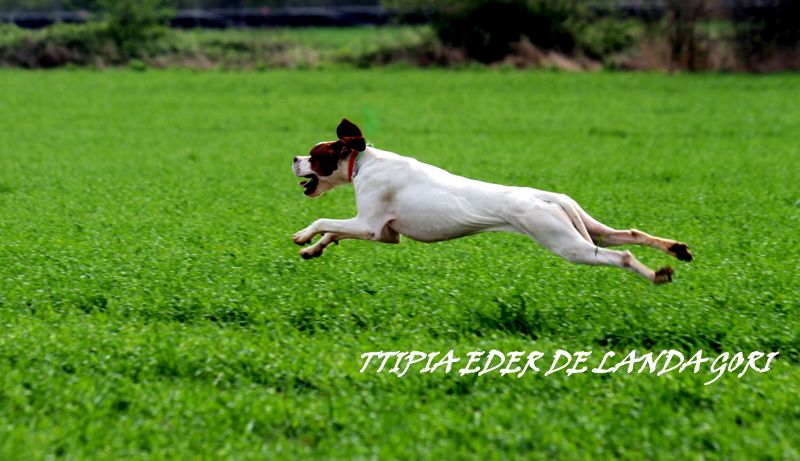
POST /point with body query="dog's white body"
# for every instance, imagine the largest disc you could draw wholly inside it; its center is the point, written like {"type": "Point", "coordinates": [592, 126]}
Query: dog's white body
{"type": "Point", "coordinates": [429, 204]}
{"type": "Point", "coordinates": [398, 195]}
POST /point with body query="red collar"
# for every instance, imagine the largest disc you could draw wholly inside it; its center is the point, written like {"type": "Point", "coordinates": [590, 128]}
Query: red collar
{"type": "Point", "coordinates": [352, 163]}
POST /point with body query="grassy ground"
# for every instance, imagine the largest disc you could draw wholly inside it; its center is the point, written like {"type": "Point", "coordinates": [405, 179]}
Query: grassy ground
{"type": "Point", "coordinates": [152, 302]}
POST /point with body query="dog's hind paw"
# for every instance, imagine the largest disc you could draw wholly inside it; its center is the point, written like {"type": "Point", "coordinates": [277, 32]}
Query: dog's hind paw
{"type": "Point", "coordinates": [663, 275]}
{"type": "Point", "coordinates": [681, 251]}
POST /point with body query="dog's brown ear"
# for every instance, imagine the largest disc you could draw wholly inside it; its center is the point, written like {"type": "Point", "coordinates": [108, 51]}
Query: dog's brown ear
{"type": "Point", "coordinates": [350, 135]}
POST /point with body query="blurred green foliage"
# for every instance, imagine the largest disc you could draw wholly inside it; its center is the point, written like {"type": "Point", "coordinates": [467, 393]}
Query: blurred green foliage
{"type": "Point", "coordinates": [122, 31]}
{"type": "Point", "coordinates": [135, 26]}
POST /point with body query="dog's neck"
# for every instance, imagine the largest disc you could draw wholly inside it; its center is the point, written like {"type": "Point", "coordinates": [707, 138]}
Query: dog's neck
{"type": "Point", "coordinates": [352, 167]}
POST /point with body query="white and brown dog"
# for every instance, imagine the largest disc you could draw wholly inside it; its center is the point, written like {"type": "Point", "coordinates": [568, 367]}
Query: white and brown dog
{"type": "Point", "coordinates": [398, 195]}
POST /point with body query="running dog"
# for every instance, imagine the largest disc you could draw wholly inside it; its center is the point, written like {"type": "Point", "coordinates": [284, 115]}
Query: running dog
{"type": "Point", "coordinates": [398, 195]}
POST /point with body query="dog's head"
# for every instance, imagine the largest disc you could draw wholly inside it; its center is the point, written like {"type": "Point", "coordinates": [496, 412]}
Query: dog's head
{"type": "Point", "coordinates": [326, 166]}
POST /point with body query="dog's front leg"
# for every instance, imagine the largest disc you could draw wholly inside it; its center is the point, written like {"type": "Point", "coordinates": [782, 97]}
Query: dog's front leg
{"type": "Point", "coordinates": [387, 235]}
{"type": "Point", "coordinates": [354, 228]}
{"type": "Point", "coordinates": [317, 248]}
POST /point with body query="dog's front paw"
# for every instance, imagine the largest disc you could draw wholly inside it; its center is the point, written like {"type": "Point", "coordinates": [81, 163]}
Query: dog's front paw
{"type": "Point", "coordinates": [302, 237]}
{"type": "Point", "coordinates": [311, 252]}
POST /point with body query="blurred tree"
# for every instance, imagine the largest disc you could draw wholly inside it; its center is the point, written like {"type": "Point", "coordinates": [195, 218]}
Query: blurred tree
{"type": "Point", "coordinates": [135, 26]}
{"type": "Point", "coordinates": [762, 32]}
{"type": "Point", "coordinates": [681, 23]}
{"type": "Point", "coordinates": [487, 29]}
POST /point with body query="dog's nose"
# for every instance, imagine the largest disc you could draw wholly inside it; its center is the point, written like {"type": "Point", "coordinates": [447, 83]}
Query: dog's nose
{"type": "Point", "coordinates": [295, 159]}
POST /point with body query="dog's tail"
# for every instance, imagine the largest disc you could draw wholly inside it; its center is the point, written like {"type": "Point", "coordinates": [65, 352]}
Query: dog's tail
{"type": "Point", "coordinates": [572, 210]}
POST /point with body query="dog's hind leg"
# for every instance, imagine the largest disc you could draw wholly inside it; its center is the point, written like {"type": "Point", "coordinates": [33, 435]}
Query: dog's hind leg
{"type": "Point", "coordinates": [553, 228]}
{"type": "Point", "coordinates": [572, 209]}
{"type": "Point", "coordinates": [606, 236]}
{"type": "Point", "coordinates": [589, 254]}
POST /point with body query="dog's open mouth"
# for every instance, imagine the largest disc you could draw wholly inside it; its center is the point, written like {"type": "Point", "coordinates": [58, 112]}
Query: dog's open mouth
{"type": "Point", "coordinates": [310, 185]}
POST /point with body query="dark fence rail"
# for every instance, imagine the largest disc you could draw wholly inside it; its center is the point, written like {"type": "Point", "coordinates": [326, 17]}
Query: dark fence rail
{"type": "Point", "coordinates": [343, 16]}
{"type": "Point", "coordinates": [656, 9]}
{"type": "Point", "coordinates": [333, 13]}
{"type": "Point", "coordinates": [282, 16]}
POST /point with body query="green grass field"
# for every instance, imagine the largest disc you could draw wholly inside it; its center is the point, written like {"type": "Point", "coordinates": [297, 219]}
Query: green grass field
{"type": "Point", "coordinates": [152, 303]}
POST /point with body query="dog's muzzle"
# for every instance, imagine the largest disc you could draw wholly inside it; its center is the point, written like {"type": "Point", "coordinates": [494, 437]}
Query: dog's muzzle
{"type": "Point", "coordinates": [310, 185]}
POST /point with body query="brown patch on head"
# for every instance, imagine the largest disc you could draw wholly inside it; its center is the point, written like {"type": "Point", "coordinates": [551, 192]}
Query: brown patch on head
{"type": "Point", "coordinates": [325, 157]}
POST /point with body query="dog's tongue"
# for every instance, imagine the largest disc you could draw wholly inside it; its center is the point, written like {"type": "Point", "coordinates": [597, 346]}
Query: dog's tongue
{"type": "Point", "coordinates": [303, 183]}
